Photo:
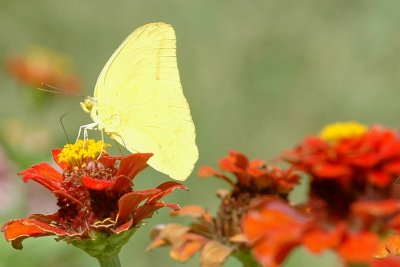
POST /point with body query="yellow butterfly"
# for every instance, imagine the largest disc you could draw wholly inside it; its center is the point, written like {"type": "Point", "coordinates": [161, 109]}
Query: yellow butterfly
{"type": "Point", "coordinates": [139, 102]}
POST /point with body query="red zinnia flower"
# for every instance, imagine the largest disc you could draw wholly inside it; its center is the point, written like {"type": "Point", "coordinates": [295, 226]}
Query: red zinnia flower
{"type": "Point", "coordinates": [353, 190]}
{"type": "Point", "coordinates": [221, 236]}
{"type": "Point", "coordinates": [96, 202]}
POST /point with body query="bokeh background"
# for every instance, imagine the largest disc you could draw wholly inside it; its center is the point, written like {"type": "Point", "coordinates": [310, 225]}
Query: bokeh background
{"type": "Point", "coordinates": [259, 76]}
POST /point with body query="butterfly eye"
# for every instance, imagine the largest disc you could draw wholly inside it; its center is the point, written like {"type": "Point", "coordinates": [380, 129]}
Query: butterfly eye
{"type": "Point", "coordinates": [87, 105]}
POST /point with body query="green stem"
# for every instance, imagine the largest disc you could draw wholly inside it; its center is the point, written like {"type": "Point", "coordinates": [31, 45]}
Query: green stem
{"type": "Point", "coordinates": [246, 258]}
{"type": "Point", "coordinates": [109, 261]}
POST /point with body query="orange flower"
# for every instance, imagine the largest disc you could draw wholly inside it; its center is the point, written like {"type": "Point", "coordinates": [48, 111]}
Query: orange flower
{"type": "Point", "coordinates": [274, 228]}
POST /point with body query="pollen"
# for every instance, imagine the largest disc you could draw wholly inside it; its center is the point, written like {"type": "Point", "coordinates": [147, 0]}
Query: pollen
{"type": "Point", "coordinates": [342, 130]}
{"type": "Point", "coordinates": [82, 152]}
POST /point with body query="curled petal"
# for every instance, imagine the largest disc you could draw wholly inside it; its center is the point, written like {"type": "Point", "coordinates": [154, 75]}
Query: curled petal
{"type": "Point", "coordinates": [44, 174]}
{"type": "Point", "coordinates": [18, 230]}
{"type": "Point", "coordinates": [165, 189]}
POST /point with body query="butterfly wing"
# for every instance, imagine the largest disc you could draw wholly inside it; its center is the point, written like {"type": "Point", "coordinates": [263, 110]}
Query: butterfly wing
{"type": "Point", "coordinates": [140, 102]}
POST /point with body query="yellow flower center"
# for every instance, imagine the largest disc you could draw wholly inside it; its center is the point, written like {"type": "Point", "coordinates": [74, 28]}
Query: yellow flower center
{"type": "Point", "coordinates": [82, 152]}
{"type": "Point", "coordinates": [342, 130]}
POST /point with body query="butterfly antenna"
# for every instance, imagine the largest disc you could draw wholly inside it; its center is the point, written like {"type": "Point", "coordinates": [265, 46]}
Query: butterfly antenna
{"type": "Point", "coordinates": [55, 90]}
{"type": "Point", "coordinates": [62, 125]}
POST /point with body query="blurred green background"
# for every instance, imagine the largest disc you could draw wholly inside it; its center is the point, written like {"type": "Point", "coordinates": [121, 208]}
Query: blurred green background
{"type": "Point", "coordinates": [259, 76]}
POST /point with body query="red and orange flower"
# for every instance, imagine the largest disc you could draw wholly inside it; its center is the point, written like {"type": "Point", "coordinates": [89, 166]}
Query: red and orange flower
{"type": "Point", "coordinates": [98, 210]}
{"type": "Point", "coordinates": [354, 187]}
{"type": "Point", "coordinates": [218, 237]}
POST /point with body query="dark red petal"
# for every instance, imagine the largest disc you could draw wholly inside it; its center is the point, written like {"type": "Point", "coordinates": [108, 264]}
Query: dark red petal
{"type": "Point", "coordinates": [130, 201]}
{"type": "Point", "coordinates": [108, 161]}
{"type": "Point", "coordinates": [165, 189]}
{"type": "Point", "coordinates": [122, 184]}
{"type": "Point", "coordinates": [44, 174]}
{"type": "Point", "coordinates": [124, 227]}
{"type": "Point", "coordinates": [133, 164]}
{"type": "Point", "coordinates": [145, 212]}
{"type": "Point", "coordinates": [96, 184]}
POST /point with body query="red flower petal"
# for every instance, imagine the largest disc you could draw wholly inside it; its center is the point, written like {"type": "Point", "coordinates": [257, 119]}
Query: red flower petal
{"type": "Point", "coordinates": [56, 152]}
{"type": "Point", "coordinates": [318, 240]}
{"type": "Point", "coordinates": [96, 184]}
{"type": "Point", "coordinates": [360, 247]}
{"type": "Point", "coordinates": [18, 230]}
{"type": "Point", "coordinates": [379, 208]}
{"type": "Point", "coordinates": [236, 162]}
{"type": "Point", "coordinates": [133, 164]}
{"type": "Point", "coordinates": [130, 201]}
{"type": "Point", "coordinates": [44, 174]}
{"type": "Point", "coordinates": [121, 184]}
{"type": "Point", "coordinates": [380, 178]}
{"type": "Point", "coordinates": [165, 189]}
{"type": "Point", "coordinates": [329, 170]}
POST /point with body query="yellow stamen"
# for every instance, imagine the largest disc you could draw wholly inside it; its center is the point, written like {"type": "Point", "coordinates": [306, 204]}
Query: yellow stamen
{"type": "Point", "coordinates": [342, 130]}
{"type": "Point", "coordinates": [82, 152]}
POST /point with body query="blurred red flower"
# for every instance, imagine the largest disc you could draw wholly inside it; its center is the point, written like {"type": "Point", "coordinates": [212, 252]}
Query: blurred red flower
{"type": "Point", "coordinates": [274, 228]}
{"type": "Point", "coordinates": [95, 198]}
{"type": "Point", "coordinates": [40, 66]}
{"type": "Point", "coordinates": [353, 196]}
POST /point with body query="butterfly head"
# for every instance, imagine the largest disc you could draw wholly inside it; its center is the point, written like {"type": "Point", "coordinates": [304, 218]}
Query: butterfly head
{"type": "Point", "coordinates": [88, 104]}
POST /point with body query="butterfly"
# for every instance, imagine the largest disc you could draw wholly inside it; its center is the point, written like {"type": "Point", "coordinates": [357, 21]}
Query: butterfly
{"type": "Point", "coordinates": [138, 101]}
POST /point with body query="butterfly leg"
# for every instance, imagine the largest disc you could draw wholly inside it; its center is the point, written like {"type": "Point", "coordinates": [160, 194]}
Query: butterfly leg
{"type": "Point", "coordinates": [85, 128]}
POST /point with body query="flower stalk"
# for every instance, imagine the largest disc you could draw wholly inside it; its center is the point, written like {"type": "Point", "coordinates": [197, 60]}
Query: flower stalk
{"type": "Point", "coordinates": [246, 258]}
{"type": "Point", "coordinates": [109, 261]}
